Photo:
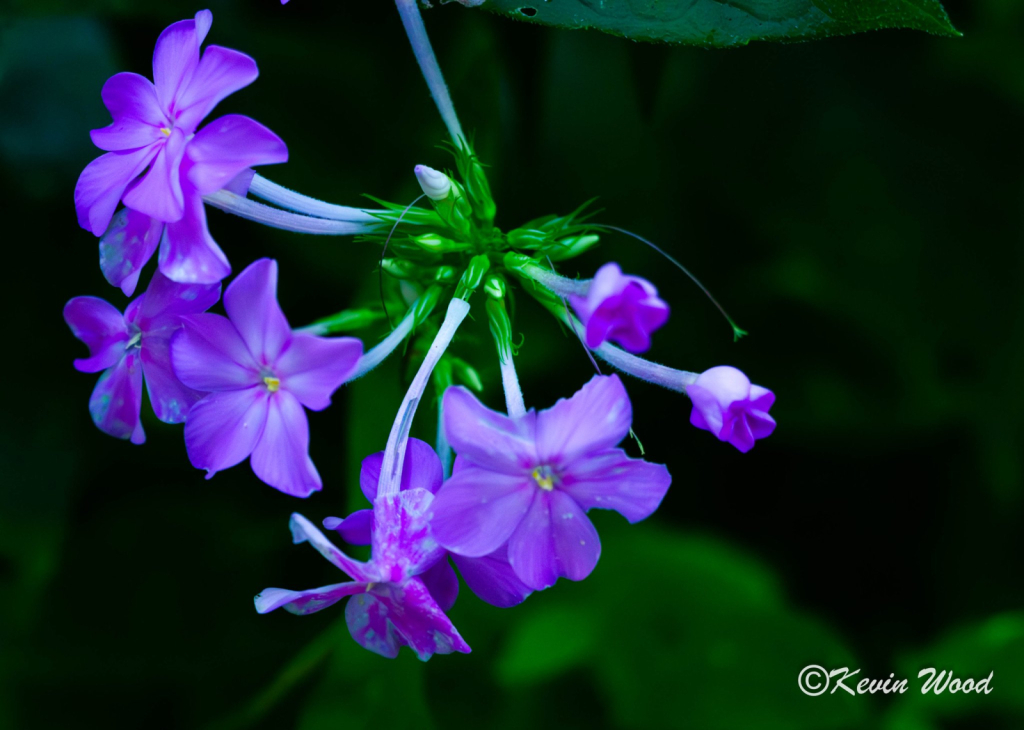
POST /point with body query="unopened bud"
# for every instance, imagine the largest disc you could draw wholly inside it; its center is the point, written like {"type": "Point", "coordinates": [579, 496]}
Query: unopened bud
{"type": "Point", "coordinates": [436, 185]}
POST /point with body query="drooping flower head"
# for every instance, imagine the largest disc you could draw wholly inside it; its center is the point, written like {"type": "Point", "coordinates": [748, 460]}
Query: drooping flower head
{"type": "Point", "coordinates": [530, 480]}
{"type": "Point", "coordinates": [490, 577]}
{"type": "Point", "coordinates": [133, 347]}
{"type": "Point", "coordinates": [729, 406]}
{"type": "Point", "coordinates": [259, 375]}
{"type": "Point", "coordinates": [161, 167]}
{"type": "Point", "coordinates": [620, 308]}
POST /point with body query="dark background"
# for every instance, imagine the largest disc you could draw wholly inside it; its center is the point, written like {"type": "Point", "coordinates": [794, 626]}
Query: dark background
{"type": "Point", "coordinates": [855, 203]}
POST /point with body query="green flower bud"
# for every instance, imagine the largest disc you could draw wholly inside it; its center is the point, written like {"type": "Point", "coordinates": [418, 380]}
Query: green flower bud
{"type": "Point", "coordinates": [467, 374]}
{"type": "Point", "coordinates": [494, 287]}
{"type": "Point", "coordinates": [471, 278]}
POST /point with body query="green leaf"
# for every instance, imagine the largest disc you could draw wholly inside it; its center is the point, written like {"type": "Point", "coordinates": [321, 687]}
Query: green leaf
{"type": "Point", "coordinates": [721, 23]}
{"type": "Point", "coordinates": [993, 647]}
{"type": "Point", "coordinates": [687, 618]}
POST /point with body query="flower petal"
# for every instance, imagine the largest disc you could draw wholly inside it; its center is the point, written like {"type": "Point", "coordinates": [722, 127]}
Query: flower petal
{"type": "Point", "coordinates": [158, 193]}
{"type": "Point", "coordinates": [442, 583]}
{"type": "Point", "coordinates": [391, 615]}
{"type": "Point", "coordinates": [305, 531]}
{"type": "Point", "coordinates": [420, 470]}
{"type": "Point", "coordinates": [131, 100]}
{"type": "Point", "coordinates": [229, 145]}
{"type": "Point", "coordinates": [555, 539]}
{"type": "Point", "coordinates": [220, 73]}
{"type": "Point", "coordinates": [101, 327]}
{"type": "Point", "coordinates": [224, 428]}
{"type": "Point", "coordinates": [188, 253]}
{"type": "Point", "coordinates": [402, 538]}
{"type": "Point", "coordinates": [356, 529]}
{"type": "Point", "coordinates": [611, 480]}
{"type": "Point", "coordinates": [367, 619]}
{"type": "Point", "coordinates": [281, 458]}
{"type": "Point", "coordinates": [117, 399]}
{"type": "Point", "coordinates": [174, 61]}
{"type": "Point", "coordinates": [305, 602]}
{"type": "Point", "coordinates": [251, 303]}
{"type": "Point", "coordinates": [102, 183]}
{"type": "Point", "coordinates": [596, 417]}
{"type": "Point", "coordinates": [488, 438]}
{"type": "Point", "coordinates": [476, 510]}
{"type": "Point", "coordinates": [311, 368]}
{"type": "Point", "coordinates": [127, 245]}
{"type": "Point", "coordinates": [208, 354]}
{"type": "Point", "coordinates": [492, 579]}
{"type": "Point", "coordinates": [166, 301]}
{"type": "Point", "coordinates": [171, 399]}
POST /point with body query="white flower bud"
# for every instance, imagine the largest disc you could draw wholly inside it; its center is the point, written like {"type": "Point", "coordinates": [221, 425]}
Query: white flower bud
{"type": "Point", "coordinates": [436, 185]}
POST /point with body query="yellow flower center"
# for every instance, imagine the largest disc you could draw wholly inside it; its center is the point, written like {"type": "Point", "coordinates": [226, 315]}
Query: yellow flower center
{"type": "Point", "coordinates": [544, 478]}
{"type": "Point", "coordinates": [272, 383]}
{"type": "Point", "coordinates": [165, 131]}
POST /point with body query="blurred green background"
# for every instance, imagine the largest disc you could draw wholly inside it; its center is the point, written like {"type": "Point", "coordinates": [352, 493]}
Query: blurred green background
{"type": "Point", "coordinates": [855, 203]}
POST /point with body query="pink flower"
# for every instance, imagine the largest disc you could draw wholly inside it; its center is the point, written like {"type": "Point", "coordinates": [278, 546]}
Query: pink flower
{"type": "Point", "coordinates": [259, 375]}
{"type": "Point", "coordinates": [729, 406]}
{"type": "Point", "coordinates": [135, 346]}
{"type": "Point", "coordinates": [620, 308]}
{"type": "Point", "coordinates": [161, 167]}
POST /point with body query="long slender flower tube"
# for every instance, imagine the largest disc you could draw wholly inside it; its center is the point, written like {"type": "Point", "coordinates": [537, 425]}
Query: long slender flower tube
{"type": "Point", "coordinates": [160, 166]}
{"type": "Point", "coordinates": [530, 480]}
{"type": "Point", "coordinates": [490, 577]}
{"type": "Point", "coordinates": [391, 604]}
{"type": "Point", "coordinates": [725, 402]}
{"type": "Point", "coordinates": [259, 376]}
{"type": "Point", "coordinates": [134, 347]}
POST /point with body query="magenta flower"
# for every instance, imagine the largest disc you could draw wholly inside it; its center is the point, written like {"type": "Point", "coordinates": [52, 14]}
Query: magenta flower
{"type": "Point", "coordinates": [259, 375]}
{"type": "Point", "coordinates": [134, 347]}
{"type": "Point", "coordinates": [161, 167]}
{"type": "Point", "coordinates": [530, 480]}
{"type": "Point", "coordinates": [490, 577]}
{"type": "Point", "coordinates": [726, 404]}
{"type": "Point", "coordinates": [620, 308]}
{"type": "Point", "coordinates": [391, 605]}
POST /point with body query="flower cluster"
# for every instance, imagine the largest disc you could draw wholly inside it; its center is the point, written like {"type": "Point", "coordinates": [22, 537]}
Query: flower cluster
{"type": "Point", "coordinates": [502, 497]}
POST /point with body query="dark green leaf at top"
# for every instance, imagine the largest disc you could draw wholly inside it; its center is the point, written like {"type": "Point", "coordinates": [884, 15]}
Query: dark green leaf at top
{"type": "Point", "coordinates": [725, 23]}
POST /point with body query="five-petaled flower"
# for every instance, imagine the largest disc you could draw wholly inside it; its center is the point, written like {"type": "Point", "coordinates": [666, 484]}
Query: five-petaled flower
{"type": "Point", "coordinates": [728, 405]}
{"type": "Point", "coordinates": [161, 167]}
{"type": "Point", "coordinates": [620, 308]}
{"type": "Point", "coordinates": [530, 480]}
{"type": "Point", "coordinates": [490, 577]}
{"type": "Point", "coordinates": [134, 345]}
{"type": "Point", "coordinates": [259, 375]}
{"type": "Point", "coordinates": [391, 605]}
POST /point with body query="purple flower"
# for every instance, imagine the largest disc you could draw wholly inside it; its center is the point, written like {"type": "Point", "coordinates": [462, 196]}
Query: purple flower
{"type": "Point", "coordinates": [726, 404]}
{"type": "Point", "coordinates": [391, 605]}
{"type": "Point", "coordinates": [161, 167]}
{"type": "Point", "coordinates": [530, 480]}
{"type": "Point", "coordinates": [259, 375]}
{"type": "Point", "coordinates": [134, 346]}
{"type": "Point", "coordinates": [490, 577]}
{"type": "Point", "coordinates": [623, 309]}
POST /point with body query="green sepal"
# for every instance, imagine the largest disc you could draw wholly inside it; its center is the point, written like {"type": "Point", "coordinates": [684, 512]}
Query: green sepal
{"type": "Point", "coordinates": [567, 248]}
